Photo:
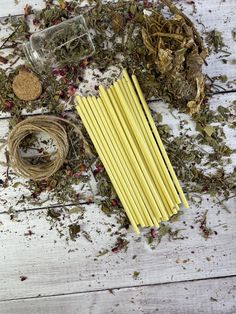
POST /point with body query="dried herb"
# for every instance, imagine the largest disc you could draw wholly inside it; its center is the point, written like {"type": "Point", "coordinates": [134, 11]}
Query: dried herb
{"type": "Point", "coordinates": [165, 53]}
{"type": "Point", "coordinates": [234, 34]}
{"type": "Point", "coordinates": [136, 274]}
{"type": "Point", "coordinates": [87, 236]}
{"type": "Point", "coordinates": [215, 40]}
{"type": "Point", "coordinates": [155, 236]}
{"type": "Point", "coordinates": [205, 230]}
{"type": "Point", "coordinates": [23, 278]}
{"type": "Point", "coordinates": [120, 245]}
{"type": "Point", "coordinates": [74, 230]}
{"type": "Point", "coordinates": [54, 213]}
{"type": "Point", "coordinates": [178, 53]}
{"type": "Point", "coordinates": [102, 252]}
{"type": "Point", "coordinates": [67, 44]}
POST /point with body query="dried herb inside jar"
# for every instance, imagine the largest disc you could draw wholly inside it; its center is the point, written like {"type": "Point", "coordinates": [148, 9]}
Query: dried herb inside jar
{"type": "Point", "coordinates": [66, 43]}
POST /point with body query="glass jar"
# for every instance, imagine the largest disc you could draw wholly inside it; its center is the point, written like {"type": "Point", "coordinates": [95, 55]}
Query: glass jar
{"type": "Point", "coordinates": [59, 45]}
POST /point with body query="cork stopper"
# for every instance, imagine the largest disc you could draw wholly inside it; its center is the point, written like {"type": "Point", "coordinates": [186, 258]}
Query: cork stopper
{"type": "Point", "coordinates": [27, 86]}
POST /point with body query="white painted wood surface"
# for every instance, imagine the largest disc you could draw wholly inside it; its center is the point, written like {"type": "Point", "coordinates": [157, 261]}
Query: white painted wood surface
{"type": "Point", "coordinates": [216, 296]}
{"type": "Point", "coordinates": [12, 7]}
{"type": "Point", "coordinates": [54, 265]}
{"type": "Point", "coordinates": [72, 270]}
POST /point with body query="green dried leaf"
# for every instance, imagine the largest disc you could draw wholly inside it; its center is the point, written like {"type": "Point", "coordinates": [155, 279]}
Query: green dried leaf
{"type": "Point", "coordinates": [234, 34]}
{"type": "Point", "coordinates": [74, 230]}
{"type": "Point", "coordinates": [54, 213]}
{"type": "Point", "coordinates": [136, 274]}
{"type": "Point", "coordinates": [209, 130]}
{"type": "Point", "coordinates": [102, 252]}
{"type": "Point", "coordinates": [214, 39]}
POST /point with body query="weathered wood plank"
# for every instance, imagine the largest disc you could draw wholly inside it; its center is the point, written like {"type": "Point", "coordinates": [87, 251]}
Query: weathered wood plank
{"type": "Point", "coordinates": [55, 265]}
{"type": "Point", "coordinates": [206, 296]}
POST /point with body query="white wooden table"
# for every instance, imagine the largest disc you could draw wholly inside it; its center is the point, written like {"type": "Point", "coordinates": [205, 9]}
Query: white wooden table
{"type": "Point", "coordinates": [192, 275]}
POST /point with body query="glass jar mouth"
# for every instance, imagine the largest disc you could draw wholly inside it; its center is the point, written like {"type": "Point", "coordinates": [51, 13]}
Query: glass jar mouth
{"type": "Point", "coordinates": [32, 55]}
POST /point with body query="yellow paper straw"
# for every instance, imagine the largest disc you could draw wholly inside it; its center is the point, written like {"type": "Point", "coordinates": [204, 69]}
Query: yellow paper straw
{"type": "Point", "coordinates": [143, 149]}
{"type": "Point", "coordinates": [130, 146]}
{"type": "Point", "coordinates": [99, 130]}
{"type": "Point", "coordinates": [82, 112]}
{"type": "Point", "coordinates": [114, 154]}
{"type": "Point", "coordinates": [142, 187]}
{"type": "Point", "coordinates": [141, 183]}
{"type": "Point", "coordinates": [159, 141]}
{"type": "Point", "coordinates": [151, 141]}
{"type": "Point", "coordinates": [150, 138]}
{"type": "Point", "coordinates": [127, 166]}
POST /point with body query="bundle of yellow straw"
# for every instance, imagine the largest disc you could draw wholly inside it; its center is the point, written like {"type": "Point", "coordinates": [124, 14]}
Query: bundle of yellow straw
{"type": "Point", "coordinates": [124, 134]}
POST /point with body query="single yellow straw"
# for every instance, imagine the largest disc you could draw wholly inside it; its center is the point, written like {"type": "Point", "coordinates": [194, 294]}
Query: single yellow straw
{"type": "Point", "coordinates": [133, 152]}
{"type": "Point", "coordinates": [113, 155]}
{"type": "Point", "coordinates": [159, 141]}
{"type": "Point", "coordinates": [127, 169]}
{"type": "Point", "coordinates": [152, 143]}
{"type": "Point", "coordinates": [143, 149]}
{"type": "Point", "coordinates": [81, 110]}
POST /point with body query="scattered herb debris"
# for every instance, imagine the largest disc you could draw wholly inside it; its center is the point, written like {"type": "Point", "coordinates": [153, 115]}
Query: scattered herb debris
{"type": "Point", "coordinates": [102, 252]}
{"type": "Point", "coordinates": [120, 245]}
{"type": "Point", "coordinates": [215, 40]}
{"type": "Point", "coordinates": [74, 230]}
{"type": "Point", "coordinates": [205, 230]}
{"type": "Point", "coordinates": [234, 34]}
{"type": "Point", "coordinates": [54, 213]}
{"type": "Point", "coordinates": [136, 274]}
{"type": "Point", "coordinates": [213, 299]}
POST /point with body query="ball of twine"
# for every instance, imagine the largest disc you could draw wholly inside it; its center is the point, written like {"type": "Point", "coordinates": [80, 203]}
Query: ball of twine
{"type": "Point", "coordinates": [51, 125]}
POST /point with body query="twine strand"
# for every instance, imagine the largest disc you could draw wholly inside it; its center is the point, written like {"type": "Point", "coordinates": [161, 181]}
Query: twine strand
{"type": "Point", "coordinates": [52, 126]}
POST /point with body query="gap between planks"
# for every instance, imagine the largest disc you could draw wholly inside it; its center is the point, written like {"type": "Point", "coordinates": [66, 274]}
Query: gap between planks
{"type": "Point", "coordinates": [208, 296]}
{"type": "Point", "coordinates": [49, 206]}
{"type": "Point", "coordinates": [119, 288]}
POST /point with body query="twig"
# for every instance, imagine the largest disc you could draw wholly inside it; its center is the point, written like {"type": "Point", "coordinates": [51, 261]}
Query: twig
{"type": "Point", "coordinates": [15, 61]}
{"type": "Point", "coordinates": [226, 199]}
{"type": "Point", "coordinates": [3, 60]}
{"type": "Point", "coordinates": [9, 37]}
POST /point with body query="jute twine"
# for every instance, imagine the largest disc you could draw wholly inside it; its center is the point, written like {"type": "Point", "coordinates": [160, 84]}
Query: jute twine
{"type": "Point", "coordinates": [51, 125]}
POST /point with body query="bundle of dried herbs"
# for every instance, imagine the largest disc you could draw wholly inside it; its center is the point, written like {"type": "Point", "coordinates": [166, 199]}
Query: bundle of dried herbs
{"type": "Point", "coordinates": [178, 53]}
{"type": "Point", "coordinates": [166, 53]}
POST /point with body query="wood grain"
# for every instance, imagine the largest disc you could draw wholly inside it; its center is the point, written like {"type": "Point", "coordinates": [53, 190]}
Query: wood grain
{"type": "Point", "coordinates": [214, 296]}
{"type": "Point", "coordinates": [55, 265]}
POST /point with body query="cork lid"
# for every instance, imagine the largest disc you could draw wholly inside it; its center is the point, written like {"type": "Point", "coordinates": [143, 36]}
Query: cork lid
{"type": "Point", "coordinates": [27, 86]}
